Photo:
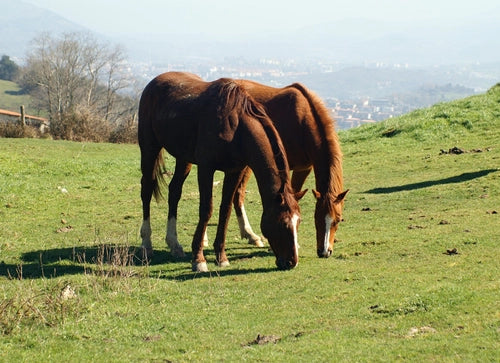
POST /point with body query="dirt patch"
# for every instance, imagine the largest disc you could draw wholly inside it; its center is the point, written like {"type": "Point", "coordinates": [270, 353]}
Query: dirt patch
{"type": "Point", "coordinates": [457, 151]}
{"type": "Point", "coordinates": [451, 252]}
{"type": "Point", "coordinates": [413, 332]}
{"type": "Point", "coordinates": [264, 339]}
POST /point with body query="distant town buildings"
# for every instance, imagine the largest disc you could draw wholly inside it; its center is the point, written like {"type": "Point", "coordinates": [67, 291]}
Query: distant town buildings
{"type": "Point", "coordinates": [348, 113]}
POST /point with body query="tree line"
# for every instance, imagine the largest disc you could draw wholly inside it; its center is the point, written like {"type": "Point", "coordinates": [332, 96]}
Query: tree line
{"type": "Point", "coordinates": [81, 84]}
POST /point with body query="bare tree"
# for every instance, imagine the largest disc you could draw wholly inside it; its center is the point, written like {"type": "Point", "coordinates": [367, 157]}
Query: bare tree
{"type": "Point", "coordinates": [77, 78]}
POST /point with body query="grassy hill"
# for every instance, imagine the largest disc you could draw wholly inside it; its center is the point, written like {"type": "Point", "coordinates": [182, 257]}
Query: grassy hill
{"type": "Point", "coordinates": [11, 100]}
{"type": "Point", "coordinates": [414, 275]}
{"type": "Point", "coordinates": [464, 120]}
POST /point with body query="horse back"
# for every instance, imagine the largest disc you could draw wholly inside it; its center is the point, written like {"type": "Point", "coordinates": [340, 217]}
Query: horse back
{"type": "Point", "coordinates": [194, 120]}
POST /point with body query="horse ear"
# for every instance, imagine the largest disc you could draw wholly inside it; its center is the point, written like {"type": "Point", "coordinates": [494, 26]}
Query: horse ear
{"type": "Point", "coordinates": [341, 196]}
{"type": "Point", "coordinates": [229, 124]}
{"type": "Point", "coordinates": [298, 196]}
{"type": "Point", "coordinates": [317, 194]}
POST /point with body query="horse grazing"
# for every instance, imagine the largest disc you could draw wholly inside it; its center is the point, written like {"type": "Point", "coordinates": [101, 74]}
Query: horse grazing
{"type": "Point", "coordinates": [217, 126]}
{"type": "Point", "coordinates": [308, 134]}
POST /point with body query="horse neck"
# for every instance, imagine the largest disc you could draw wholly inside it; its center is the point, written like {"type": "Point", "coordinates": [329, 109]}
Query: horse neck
{"type": "Point", "coordinates": [271, 169]}
{"type": "Point", "coordinates": [327, 162]}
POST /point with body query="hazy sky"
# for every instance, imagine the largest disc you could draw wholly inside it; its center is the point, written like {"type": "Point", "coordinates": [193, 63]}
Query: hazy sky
{"type": "Point", "coordinates": [238, 17]}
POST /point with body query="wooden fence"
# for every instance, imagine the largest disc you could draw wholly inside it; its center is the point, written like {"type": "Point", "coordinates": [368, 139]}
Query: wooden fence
{"type": "Point", "coordinates": [39, 122]}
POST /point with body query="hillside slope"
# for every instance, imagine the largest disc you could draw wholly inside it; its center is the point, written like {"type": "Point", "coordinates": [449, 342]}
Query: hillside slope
{"type": "Point", "coordinates": [462, 121]}
{"type": "Point", "coordinates": [11, 99]}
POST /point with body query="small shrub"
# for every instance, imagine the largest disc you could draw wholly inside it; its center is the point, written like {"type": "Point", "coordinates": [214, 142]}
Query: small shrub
{"type": "Point", "coordinates": [16, 130]}
{"type": "Point", "coordinates": [80, 124]}
{"type": "Point", "coordinates": [124, 133]}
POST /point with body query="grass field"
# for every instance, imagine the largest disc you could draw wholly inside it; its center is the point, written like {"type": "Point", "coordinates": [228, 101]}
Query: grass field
{"type": "Point", "coordinates": [11, 99]}
{"type": "Point", "coordinates": [414, 277]}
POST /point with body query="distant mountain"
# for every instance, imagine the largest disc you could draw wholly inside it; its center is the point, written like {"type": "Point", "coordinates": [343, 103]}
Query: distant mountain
{"type": "Point", "coordinates": [21, 22]}
{"type": "Point", "coordinates": [350, 41]}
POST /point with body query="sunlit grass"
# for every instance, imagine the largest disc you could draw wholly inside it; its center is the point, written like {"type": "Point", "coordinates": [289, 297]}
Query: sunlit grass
{"type": "Point", "coordinates": [414, 275]}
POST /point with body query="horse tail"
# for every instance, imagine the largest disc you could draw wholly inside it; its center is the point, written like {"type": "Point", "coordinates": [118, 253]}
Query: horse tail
{"type": "Point", "coordinates": [159, 172]}
{"type": "Point", "coordinates": [152, 161]}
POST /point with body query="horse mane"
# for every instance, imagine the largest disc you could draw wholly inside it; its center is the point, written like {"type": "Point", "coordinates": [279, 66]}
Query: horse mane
{"type": "Point", "coordinates": [236, 98]}
{"type": "Point", "coordinates": [326, 126]}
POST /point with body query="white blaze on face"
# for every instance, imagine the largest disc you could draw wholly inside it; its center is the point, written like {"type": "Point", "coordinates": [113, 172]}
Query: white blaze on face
{"type": "Point", "coordinates": [295, 222]}
{"type": "Point", "coordinates": [328, 223]}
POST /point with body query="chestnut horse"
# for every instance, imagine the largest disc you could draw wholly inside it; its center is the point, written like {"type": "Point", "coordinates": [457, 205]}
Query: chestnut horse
{"type": "Point", "coordinates": [217, 126]}
{"type": "Point", "coordinates": [308, 134]}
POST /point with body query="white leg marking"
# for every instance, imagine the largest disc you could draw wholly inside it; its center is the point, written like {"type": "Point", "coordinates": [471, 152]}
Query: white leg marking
{"type": "Point", "coordinates": [246, 229]}
{"type": "Point", "coordinates": [146, 234]}
{"type": "Point", "coordinates": [295, 220]}
{"type": "Point", "coordinates": [243, 222]}
{"type": "Point", "coordinates": [328, 223]}
{"type": "Point", "coordinates": [205, 239]}
{"type": "Point", "coordinates": [171, 238]}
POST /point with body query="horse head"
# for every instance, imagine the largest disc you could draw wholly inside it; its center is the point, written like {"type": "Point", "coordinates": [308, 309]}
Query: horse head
{"type": "Point", "coordinates": [327, 216]}
{"type": "Point", "coordinates": [280, 224]}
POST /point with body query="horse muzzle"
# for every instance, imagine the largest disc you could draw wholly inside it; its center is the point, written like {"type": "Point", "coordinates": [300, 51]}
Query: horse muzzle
{"type": "Point", "coordinates": [284, 264]}
{"type": "Point", "coordinates": [324, 254]}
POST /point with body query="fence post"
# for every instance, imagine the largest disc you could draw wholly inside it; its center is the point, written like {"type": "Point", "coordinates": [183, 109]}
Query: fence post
{"type": "Point", "coordinates": [23, 117]}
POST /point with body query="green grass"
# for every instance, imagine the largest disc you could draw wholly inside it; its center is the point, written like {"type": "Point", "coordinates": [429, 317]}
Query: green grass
{"type": "Point", "coordinates": [415, 275]}
{"type": "Point", "coordinates": [11, 100]}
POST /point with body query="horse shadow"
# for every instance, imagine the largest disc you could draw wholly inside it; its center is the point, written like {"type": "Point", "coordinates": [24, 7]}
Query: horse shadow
{"type": "Point", "coordinates": [100, 259]}
{"type": "Point", "coordinates": [429, 183]}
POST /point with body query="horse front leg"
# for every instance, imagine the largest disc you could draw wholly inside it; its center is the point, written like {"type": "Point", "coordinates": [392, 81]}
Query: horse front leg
{"type": "Point", "coordinates": [230, 184]}
{"type": "Point", "coordinates": [181, 172]}
{"type": "Point", "coordinates": [246, 230]}
{"type": "Point", "coordinates": [205, 185]}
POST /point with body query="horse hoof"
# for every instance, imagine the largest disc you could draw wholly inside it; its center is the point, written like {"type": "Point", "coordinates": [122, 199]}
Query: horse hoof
{"type": "Point", "coordinates": [223, 264]}
{"type": "Point", "coordinates": [256, 242]}
{"type": "Point", "coordinates": [200, 267]}
{"type": "Point", "coordinates": [147, 253]}
{"type": "Point", "coordinates": [178, 252]}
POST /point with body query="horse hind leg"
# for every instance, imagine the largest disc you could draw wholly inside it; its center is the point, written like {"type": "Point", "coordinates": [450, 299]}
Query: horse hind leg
{"type": "Point", "coordinates": [181, 172]}
{"type": "Point", "coordinates": [149, 155]}
{"type": "Point", "coordinates": [246, 230]}
{"type": "Point", "coordinates": [205, 185]}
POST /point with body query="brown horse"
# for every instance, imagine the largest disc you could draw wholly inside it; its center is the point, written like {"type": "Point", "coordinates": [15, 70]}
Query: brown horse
{"type": "Point", "coordinates": [311, 143]}
{"type": "Point", "coordinates": [217, 126]}
{"type": "Point", "coordinates": [308, 134]}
